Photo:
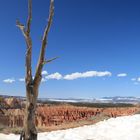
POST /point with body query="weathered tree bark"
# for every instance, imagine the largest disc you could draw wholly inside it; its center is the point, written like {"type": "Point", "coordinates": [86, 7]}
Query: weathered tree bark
{"type": "Point", "coordinates": [32, 85]}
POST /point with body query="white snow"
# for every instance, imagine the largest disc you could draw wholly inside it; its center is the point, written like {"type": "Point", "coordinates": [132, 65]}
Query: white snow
{"type": "Point", "coordinates": [120, 128]}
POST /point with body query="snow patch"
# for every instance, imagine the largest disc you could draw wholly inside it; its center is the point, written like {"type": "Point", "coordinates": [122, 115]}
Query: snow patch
{"type": "Point", "coordinates": [120, 128]}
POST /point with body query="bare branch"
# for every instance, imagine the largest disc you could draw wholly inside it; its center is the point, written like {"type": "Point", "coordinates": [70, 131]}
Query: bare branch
{"type": "Point", "coordinates": [29, 16]}
{"type": "Point", "coordinates": [47, 29]}
{"type": "Point", "coordinates": [26, 33]}
{"type": "Point", "coordinates": [29, 45]}
{"type": "Point", "coordinates": [41, 59]}
{"type": "Point", "coordinates": [21, 27]}
{"type": "Point", "coordinates": [50, 60]}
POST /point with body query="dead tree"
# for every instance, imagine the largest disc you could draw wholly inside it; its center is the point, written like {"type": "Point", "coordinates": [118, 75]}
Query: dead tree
{"type": "Point", "coordinates": [32, 84]}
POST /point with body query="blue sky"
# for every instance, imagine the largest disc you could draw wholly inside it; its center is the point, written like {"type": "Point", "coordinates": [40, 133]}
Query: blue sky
{"type": "Point", "coordinates": [98, 42]}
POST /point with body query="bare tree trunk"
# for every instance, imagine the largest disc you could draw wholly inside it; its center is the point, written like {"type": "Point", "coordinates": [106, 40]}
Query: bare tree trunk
{"type": "Point", "coordinates": [29, 126]}
{"type": "Point", "coordinates": [32, 85]}
{"type": "Point", "coordinates": [30, 132]}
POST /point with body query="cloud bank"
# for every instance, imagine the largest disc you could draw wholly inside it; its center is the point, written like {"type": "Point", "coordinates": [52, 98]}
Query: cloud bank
{"type": "Point", "coordinates": [72, 76]}
{"type": "Point", "coordinates": [87, 74]}
{"type": "Point", "coordinates": [78, 75]}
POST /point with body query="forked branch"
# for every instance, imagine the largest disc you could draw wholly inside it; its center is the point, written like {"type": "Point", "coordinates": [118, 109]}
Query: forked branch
{"type": "Point", "coordinates": [41, 59]}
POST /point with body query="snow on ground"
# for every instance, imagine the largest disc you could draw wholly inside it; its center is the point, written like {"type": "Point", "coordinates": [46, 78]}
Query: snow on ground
{"type": "Point", "coordinates": [120, 128]}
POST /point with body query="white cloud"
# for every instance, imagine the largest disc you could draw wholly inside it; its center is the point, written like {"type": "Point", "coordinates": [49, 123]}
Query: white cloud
{"type": "Point", "coordinates": [71, 76]}
{"type": "Point", "coordinates": [56, 76]}
{"type": "Point", "coordinates": [133, 79]}
{"type": "Point", "coordinates": [138, 79]}
{"type": "Point", "coordinates": [122, 75]}
{"type": "Point", "coordinates": [43, 80]}
{"type": "Point", "coordinates": [9, 81]}
{"type": "Point", "coordinates": [87, 74]}
{"type": "Point", "coordinates": [44, 72]}
{"type": "Point", "coordinates": [22, 79]}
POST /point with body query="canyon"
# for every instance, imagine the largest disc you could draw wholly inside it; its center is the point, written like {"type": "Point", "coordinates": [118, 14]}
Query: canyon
{"type": "Point", "coordinates": [12, 113]}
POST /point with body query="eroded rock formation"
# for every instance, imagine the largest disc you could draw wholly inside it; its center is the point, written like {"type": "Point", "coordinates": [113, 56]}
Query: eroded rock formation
{"type": "Point", "coordinates": [56, 115]}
